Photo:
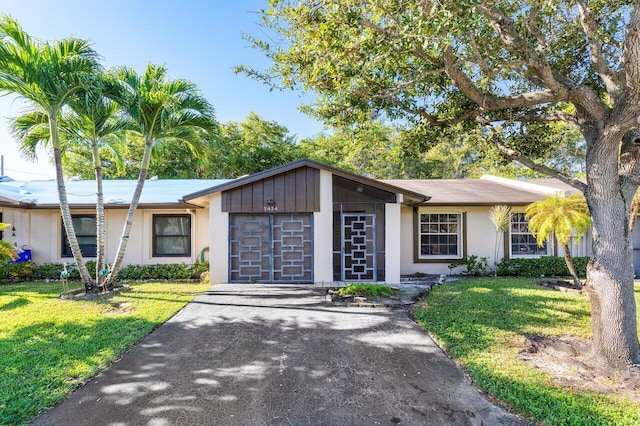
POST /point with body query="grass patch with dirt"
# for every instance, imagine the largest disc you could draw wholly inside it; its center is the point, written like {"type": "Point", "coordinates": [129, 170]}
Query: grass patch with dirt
{"type": "Point", "coordinates": [488, 325]}
{"type": "Point", "coordinates": [49, 346]}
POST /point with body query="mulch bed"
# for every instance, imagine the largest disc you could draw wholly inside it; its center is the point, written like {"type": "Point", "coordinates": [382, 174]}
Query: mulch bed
{"type": "Point", "coordinates": [560, 285]}
{"type": "Point", "coordinates": [81, 294]}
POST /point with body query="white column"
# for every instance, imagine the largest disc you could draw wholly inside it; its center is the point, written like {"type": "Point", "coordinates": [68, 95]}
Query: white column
{"type": "Point", "coordinates": [392, 242]}
{"type": "Point", "coordinates": [218, 241]}
{"type": "Point", "coordinates": [323, 231]}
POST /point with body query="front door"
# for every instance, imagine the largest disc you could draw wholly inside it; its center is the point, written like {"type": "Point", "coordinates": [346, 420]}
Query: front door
{"type": "Point", "coordinates": [270, 248]}
{"type": "Point", "coordinates": [358, 247]}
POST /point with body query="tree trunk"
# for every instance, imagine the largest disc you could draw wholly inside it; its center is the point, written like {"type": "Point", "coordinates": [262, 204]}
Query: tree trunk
{"type": "Point", "coordinates": [100, 223]}
{"type": "Point", "coordinates": [126, 231]}
{"type": "Point", "coordinates": [85, 276]}
{"type": "Point", "coordinates": [570, 267]}
{"type": "Point", "coordinates": [610, 272]}
{"type": "Point", "coordinates": [496, 251]}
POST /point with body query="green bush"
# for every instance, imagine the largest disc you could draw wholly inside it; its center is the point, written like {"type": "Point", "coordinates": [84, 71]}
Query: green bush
{"type": "Point", "coordinates": [16, 272]}
{"type": "Point", "coordinates": [168, 271]}
{"type": "Point", "coordinates": [536, 267]}
{"type": "Point", "coordinates": [28, 271]}
{"type": "Point", "coordinates": [366, 289]}
{"type": "Point", "coordinates": [474, 266]}
{"type": "Point", "coordinates": [51, 271]}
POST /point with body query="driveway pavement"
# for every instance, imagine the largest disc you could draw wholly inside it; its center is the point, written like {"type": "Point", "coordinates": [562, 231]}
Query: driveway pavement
{"type": "Point", "coordinates": [280, 355]}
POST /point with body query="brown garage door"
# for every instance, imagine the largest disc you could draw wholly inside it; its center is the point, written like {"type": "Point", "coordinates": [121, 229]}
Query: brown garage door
{"type": "Point", "coordinates": [271, 248]}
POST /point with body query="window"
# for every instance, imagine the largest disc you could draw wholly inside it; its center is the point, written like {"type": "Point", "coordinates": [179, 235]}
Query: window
{"type": "Point", "coordinates": [441, 235]}
{"type": "Point", "coordinates": [85, 226]}
{"type": "Point", "coordinates": [523, 243]}
{"type": "Point", "coordinates": [171, 235]}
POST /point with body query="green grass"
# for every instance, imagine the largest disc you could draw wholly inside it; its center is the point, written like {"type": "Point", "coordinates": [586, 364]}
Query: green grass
{"type": "Point", "coordinates": [481, 324]}
{"type": "Point", "coordinates": [48, 346]}
{"type": "Point", "coordinates": [366, 289]}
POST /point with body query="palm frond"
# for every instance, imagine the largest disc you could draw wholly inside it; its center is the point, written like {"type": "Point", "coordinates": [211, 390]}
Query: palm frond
{"type": "Point", "coordinates": [500, 216]}
{"type": "Point", "coordinates": [558, 214]}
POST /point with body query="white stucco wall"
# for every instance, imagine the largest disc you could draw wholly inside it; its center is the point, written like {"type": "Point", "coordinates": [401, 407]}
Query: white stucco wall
{"type": "Point", "coordinates": [480, 238]}
{"type": "Point", "coordinates": [323, 232]}
{"type": "Point", "coordinates": [392, 243]}
{"type": "Point", "coordinates": [219, 237]}
{"type": "Point", "coordinates": [41, 230]}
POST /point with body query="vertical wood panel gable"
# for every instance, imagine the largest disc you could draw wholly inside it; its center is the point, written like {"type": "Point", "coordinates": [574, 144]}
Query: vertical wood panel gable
{"type": "Point", "coordinates": [293, 191]}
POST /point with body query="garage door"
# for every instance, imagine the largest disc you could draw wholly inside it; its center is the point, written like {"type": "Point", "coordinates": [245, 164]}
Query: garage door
{"type": "Point", "coordinates": [271, 248]}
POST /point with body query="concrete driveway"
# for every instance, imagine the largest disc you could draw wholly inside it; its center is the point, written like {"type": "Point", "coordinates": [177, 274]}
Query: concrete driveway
{"type": "Point", "coordinates": [273, 355]}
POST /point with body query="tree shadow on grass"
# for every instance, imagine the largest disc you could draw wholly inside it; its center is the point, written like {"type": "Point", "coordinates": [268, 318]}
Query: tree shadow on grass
{"type": "Point", "coordinates": [482, 316]}
{"type": "Point", "coordinates": [464, 315]}
{"type": "Point", "coordinates": [15, 303]}
{"type": "Point", "coordinates": [43, 362]}
{"type": "Point", "coordinates": [239, 365]}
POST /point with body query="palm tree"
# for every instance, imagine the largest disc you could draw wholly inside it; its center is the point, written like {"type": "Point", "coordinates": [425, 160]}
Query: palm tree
{"type": "Point", "coordinates": [560, 215]}
{"type": "Point", "coordinates": [500, 217]}
{"type": "Point", "coordinates": [92, 122]}
{"type": "Point", "coordinates": [46, 75]}
{"type": "Point", "coordinates": [164, 111]}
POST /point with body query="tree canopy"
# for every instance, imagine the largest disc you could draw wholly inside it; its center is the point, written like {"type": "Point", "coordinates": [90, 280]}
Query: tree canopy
{"type": "Point", "coordinates": [511, 70]}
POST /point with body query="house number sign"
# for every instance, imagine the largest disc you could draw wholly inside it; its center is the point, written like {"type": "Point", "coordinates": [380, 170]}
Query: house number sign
{"type": "Point", "coordinates": [270, 206]}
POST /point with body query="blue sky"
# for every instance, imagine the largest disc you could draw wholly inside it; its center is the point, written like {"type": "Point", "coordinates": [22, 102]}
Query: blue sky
{"type": "Point", "coordinates": [198, 40]}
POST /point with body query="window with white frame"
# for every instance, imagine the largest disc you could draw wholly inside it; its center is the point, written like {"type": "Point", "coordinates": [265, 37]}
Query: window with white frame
{"type": "Point", "coordinates": [440, 235]}
{"type": "Point", "coordinates": [523, 243]}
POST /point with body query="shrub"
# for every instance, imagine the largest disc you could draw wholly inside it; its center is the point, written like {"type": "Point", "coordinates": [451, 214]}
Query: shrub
{"type": "Point", "coordinates": [474, 266]}
{"type": "Point", "coordinates": [168, 271]}
{"type": "Point", "coordinates": [366, 289]}
{"type": "Point", "coordinates": [28, 271]}
{"type": "Point", "coordinates": [16, 272]}
{"type": "Point", "coordinates": [536, 267]}
{"type": "Point", "coordinates": [51, 271]}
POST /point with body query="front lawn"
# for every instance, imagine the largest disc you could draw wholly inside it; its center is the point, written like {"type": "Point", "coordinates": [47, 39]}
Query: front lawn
{"type": "Point", "coordinates": [483, 324]}
{"type": "Point", "coordinates": [49, 346]}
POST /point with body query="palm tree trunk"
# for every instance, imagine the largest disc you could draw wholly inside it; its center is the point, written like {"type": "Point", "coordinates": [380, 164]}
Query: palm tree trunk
{"type": "Point", "coordinates": [64, 205]}
{"type": "Point", "coordinates": [570, 267]}
{"type": "Point", "coordinates": [126, 231]}
{"type": "Point", "coordinates": [100, 223]}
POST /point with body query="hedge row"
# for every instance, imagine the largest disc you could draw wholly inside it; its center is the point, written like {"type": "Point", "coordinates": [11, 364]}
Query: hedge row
{"type": "Point", "coordinates": [29, 271]}
{"type": "Point", "coordinates": [546, 265]}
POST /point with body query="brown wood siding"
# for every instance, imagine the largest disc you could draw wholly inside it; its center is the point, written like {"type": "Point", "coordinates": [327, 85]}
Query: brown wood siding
{"type": "Point", "coordinates": [295, 191]}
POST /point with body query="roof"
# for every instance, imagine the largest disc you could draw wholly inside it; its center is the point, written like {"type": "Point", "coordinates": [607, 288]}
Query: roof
{"type": "Point", "coordinates": [488, 190]}
{"type": "Point", "coordinates": [44, 193]}
{"type": "Point", "coordinates": [411, 197]}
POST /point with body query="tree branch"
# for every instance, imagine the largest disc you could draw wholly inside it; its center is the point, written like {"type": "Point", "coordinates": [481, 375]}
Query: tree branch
{"type": "Point", "coordinates": [503, 25]}
{"type": "Point", "coordinates": [630, 172]}
{"type": "Point", "coordinates": [517, 156]}
{"type": "Point", "coordinates": [488, 102]}
{"type": "Point", "coordinates": [484, 66]}
{"type": "Point", "coordinates": [590, 27]}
